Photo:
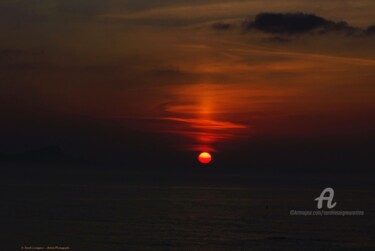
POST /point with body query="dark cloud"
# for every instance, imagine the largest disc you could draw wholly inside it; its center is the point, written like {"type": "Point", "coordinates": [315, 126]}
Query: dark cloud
{"type": "Point", "coordinates": [296, 23]}
{"type": "Point", "coordinates": [290, 23]}
{"type": "Point", "coordinates": [342, 27]}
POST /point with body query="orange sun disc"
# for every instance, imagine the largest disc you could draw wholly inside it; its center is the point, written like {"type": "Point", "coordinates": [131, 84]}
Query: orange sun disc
{"type": "Point", "coordinates": [204, 158]}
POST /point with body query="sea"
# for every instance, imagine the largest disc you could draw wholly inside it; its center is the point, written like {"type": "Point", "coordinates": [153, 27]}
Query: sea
{"type": "Point", "coordinates": [112, 210]}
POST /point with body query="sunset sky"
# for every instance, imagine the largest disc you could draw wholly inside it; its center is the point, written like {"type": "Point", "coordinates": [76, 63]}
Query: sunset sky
{"type": "Point", "coordinates": [179, 77]}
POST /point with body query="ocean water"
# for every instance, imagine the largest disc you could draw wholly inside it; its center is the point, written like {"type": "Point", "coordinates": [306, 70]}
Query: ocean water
{"type": "Point", "coordinates": [92, 214]}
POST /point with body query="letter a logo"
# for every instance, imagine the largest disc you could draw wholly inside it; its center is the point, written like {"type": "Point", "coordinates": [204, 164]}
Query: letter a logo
{"type": "Point", "coordinates": [328, 198]}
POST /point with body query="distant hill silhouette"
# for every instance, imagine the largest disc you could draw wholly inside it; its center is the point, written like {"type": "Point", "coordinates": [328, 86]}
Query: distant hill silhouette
{"type": "Point", "coordinates": [48, 154]}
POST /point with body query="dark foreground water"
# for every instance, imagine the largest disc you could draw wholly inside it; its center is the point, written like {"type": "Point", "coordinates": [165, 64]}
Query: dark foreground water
{"type": "Point", "coordinates": [118, 213]}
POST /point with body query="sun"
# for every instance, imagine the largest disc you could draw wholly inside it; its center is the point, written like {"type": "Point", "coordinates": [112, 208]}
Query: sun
{"type": "Point", "coordinates": [204, 158]}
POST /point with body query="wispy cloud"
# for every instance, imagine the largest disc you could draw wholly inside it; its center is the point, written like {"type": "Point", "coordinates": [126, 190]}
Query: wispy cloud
{"type": "Point", "coordinates": [209, 124]}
